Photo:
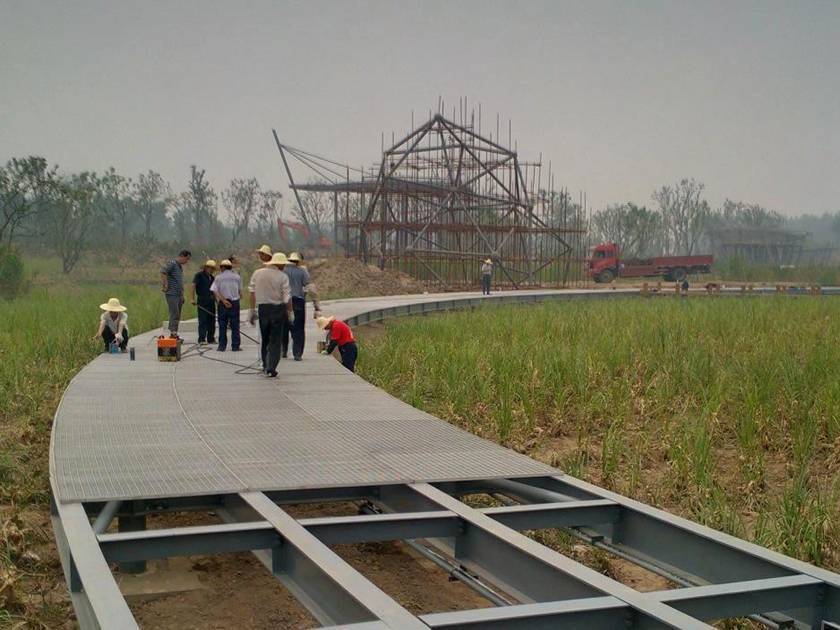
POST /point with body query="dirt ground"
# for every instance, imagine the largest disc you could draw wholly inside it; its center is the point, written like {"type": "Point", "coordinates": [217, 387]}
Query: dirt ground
{"type": "Point", "coordinates": [348, 277]}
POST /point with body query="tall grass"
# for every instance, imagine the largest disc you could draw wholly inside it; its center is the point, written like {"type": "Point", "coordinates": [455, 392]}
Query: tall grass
{"type": "Point", "coordinates": [725, 410]}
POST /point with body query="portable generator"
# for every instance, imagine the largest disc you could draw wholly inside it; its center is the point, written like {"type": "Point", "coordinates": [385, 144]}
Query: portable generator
{"type": "Point", "coordinates": [169, 348]}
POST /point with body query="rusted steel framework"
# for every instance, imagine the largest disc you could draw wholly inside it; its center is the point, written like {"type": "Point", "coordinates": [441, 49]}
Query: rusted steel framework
{"type": "Point", "coordinates": [445, 198]}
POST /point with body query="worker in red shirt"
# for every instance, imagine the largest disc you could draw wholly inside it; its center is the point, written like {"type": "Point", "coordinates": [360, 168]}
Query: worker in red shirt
{"type": "Point", "coordinates": [339, 335]}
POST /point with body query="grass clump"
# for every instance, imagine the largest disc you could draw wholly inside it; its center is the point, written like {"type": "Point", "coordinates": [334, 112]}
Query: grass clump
{"type": "Point", "coordinates": [724, 410]}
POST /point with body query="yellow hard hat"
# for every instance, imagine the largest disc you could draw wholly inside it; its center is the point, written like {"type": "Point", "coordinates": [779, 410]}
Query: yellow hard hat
{"type": "Point", "coordinates": [323, 322]}
{"type": "Point", "coordinates": [265, 249]}
{"type": "Point", "coordinates": [113, 306]}
{"type": "Point", "coordinates": [294, 257]}
{"type": "Point", "coordinates": [278, 259]}
{"type": "Point", "coordinates": [210, 263]}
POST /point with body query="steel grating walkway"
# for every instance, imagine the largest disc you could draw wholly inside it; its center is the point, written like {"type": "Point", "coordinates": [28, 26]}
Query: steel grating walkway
{"type": "Point", "coordinates": [131, 438]}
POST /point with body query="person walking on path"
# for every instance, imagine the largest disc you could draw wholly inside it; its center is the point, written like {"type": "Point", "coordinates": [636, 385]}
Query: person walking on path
{"type": "Point", "coordinates": [113, 325]}
{"type": "Point", "coordinates": [271, 301]}
{"type": "Point", "coordinates": [339, 335]}
{"type": "Point", "coordinates": [486, 275]}
{"type": "Point", "coordinates": [172, 285]}
{"type": "Point", "coordinates": [227, 289]}
{"type": "Point", "coordinates": [300, 286]}
{"type": "Point", "coordinates": [203, 298]}
{"type": "Point", "coordinates": [264, 254]}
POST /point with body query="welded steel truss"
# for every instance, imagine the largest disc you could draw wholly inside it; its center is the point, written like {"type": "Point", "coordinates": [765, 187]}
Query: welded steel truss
{"type": "Point", "coordinates": [441, 201]}
{"type": "Point", "coordinates": [714, 575]}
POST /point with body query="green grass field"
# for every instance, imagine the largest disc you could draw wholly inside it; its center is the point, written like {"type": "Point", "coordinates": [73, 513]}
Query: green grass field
{"type": "Point", "coordinates": [724, 410]}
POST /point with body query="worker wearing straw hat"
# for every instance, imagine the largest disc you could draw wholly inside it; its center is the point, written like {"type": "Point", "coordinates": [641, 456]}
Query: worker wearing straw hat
{"type": "Point", "coordinates": [486, 275]}
{"type": "Point", "coordinates": [340, 336]}
{"type": "Point", "coordinates": [264, 254]}
{"type": "Point", "coordinates": [203, 298]}
{"type": "Point", "coordinates": [113, 325]}
{"type": "Point", "coordinates": [271, 301]}
{"type": "Point", "coordinates": [301, 286]}
{"type": "Point", "coordinates": [227, 289]}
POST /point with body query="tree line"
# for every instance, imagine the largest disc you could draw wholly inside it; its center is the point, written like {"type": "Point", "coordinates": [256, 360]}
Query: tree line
{"type": "Point", "coordinates": [69, 214]}
{"type": "Point", "coordinates": [681, 221]}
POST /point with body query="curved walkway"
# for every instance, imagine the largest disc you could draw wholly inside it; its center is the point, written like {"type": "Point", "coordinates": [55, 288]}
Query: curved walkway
{"type": "Point", "coordinates": [145, 431]}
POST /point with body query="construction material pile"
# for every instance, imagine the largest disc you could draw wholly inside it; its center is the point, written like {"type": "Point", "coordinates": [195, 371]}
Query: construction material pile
{"type": "Point", "coordinates": [348, 277]}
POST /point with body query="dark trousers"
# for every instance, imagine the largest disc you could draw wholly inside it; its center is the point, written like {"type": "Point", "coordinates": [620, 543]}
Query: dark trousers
{"type": "Point", "coordinates": [173, 305]}
{"type": "Point", "coordinates": [229, 316]}
{"type": "Point", "coordinates": [206, 319]}
{"type": "Point", "coordinates": [108, 337]}
{"type": "Point", "coordinates": [273, 322]}
{"type": "Point", "coordinates": [485, 284]}
{"type": "Point", "coordinates": [349, 352]}
{"type": "Point", "coordinates": [296, 329]}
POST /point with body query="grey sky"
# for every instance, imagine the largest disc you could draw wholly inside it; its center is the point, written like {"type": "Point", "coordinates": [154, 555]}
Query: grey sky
{"type": "Point", "coordinates": [622, 97]}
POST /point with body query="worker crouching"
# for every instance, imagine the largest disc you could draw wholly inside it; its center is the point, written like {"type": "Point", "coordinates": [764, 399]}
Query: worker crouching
{"type": "Point", "coordinates": [340, 336]}
{"type": "Point", "coordinates": [113, 325]}
{"type": "Point", "coordinates": [271, 300]}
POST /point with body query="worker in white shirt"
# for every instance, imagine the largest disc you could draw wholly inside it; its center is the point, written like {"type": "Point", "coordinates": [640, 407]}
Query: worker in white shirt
{"type": "Point", "coordinates": [113, 325]}
{"type": "Point", "coordinates": [271, 301]}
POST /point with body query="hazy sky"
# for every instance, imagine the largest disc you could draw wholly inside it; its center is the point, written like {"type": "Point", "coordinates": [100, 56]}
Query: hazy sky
{"type": "Point", "coordinates": [621, 96]}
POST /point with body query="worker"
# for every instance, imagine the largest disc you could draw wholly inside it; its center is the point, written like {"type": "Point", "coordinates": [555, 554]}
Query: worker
{"type": "Point", "coordinates": [300, 286]}
{"type": "Point", "coordinates": [340, 335]}
{"type": "Point", "coordinates": [234, 262]}
{"type": "Point", "coordinates": [264, 254]}
{"type": "Point", "coordinates": [486, 275]}
{"type": "Point", "coordinates": [202, 298]}
{"type": "Point", "coordinates": [172, 286]}
{"type": "Point", "coordinates": [271, 302]}
{"type": "Point", "coordinates": [227, 290]}
{"type": "Point", "coordinates": [113, 325]}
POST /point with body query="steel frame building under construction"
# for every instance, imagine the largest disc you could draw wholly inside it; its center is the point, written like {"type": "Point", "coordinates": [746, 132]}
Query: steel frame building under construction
{"type": "Point", "coordinates": [443, 199]}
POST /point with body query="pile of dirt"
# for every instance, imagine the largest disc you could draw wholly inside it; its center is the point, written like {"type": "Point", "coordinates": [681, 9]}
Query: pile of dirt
{"type": "Point", "coordinates": [347, 277]}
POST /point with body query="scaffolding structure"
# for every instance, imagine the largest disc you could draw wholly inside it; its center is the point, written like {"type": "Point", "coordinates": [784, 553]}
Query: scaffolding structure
{"type": "Point", "coordinates": [444, 199]}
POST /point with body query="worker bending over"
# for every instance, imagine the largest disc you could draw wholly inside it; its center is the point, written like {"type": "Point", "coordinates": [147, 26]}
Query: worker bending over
{"type": "Point", "coordinates": [227, 288]}
{"type": "Point", "coordinates": [204, 301]}
{"type": "Point", "coordinates": [113, 325]}
{"type": "Point", "coordinates": [300, 285]}
{"type": "Point", "coordinates": [340, 335]}
{"type": "Point", "coordinates": [271, 301]}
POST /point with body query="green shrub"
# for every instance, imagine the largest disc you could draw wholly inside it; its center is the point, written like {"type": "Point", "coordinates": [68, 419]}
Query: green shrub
{"type": "Point", "coordinates": [12, 281]}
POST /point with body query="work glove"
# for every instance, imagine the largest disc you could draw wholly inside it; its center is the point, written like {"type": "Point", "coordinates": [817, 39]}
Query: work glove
{"type": "Point", "coordinates": [324, 352]}
{"type": "Point", "coordinates": [253, 317]}
{"type": "Point", "coordinates": [118, 339]}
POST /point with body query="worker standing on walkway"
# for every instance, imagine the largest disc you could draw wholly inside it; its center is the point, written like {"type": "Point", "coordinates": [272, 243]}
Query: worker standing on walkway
{"type": "Point", "coordinates": [172, 285]}
{"type": "Point", "coordinates": [113, 325]}
{"type": "Point", "coordinates": [271, 302]}
{"type": "Point", "coordinates": [300, 285]}
{"type": "Point", "coordinates": [264, 254]}
{"type": "Point", "coordinates": [486, 275]}
{"type": "Point", "coordinates": [341, 336]}
{"type": "Point", "coordinates": [204, 301]}
{"type": "Point", "coordinates": [227, 289]}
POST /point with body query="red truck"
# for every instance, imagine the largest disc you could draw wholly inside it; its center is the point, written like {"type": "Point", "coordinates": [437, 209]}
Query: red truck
{"type": "Point", "coordinates": [605, 265]}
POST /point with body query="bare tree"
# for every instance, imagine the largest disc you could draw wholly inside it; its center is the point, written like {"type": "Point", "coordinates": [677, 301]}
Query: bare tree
{"type": "Point", "coordinates": [317, 211]}
{"type": "Point", "coordinates": [196, 209]}
{"type": "Point", "coordinates": [636, 230]}
{"type": "Point", "coordinates": [24, 185]}
{"type": "Point", "coordinates": [267, 213]}
{"type": "Point", "coordinates": [242, 201]}
{"type": "Point", "coordinates": [684, 214]}
{"type": "Point", "coordinates": [72, 215]}
{"type": "Point", "coordinates": [115, 198]}
{"type": "Point", "coordinates": [152, 194]}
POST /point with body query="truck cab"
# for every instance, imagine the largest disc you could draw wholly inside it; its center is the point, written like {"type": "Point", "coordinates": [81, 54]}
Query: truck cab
{"type": "Point", "coordinates": [603, 265]}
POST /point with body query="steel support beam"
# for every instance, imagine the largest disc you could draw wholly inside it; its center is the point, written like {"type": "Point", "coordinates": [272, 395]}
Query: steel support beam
{"type": "Point", "coordinates": [329, 587]}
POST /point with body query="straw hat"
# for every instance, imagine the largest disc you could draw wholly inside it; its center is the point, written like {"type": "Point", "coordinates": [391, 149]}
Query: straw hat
{"type": "Point", "coordinates": [113, 306]}
{"type": "Point", "coordinates": [489, 261]}
{"type": "Point", "coordinates": [323, 322]}
{"type": "Point", "coordinates": [294, 257]}
{"type": "Point", "coordinates": [278, 259]}
{"type": "Point", "coordinates": [265, 249]}
{"type": "Point", "coordinates": [226, 263]}
{"type": "Point", "coordinates": [210, 263]}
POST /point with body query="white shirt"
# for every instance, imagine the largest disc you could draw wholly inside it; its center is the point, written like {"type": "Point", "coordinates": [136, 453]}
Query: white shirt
{"type": "Point", "coordinates": [114, 324]}
{"type": "Point", "coordinates": [227, 285]}
{"type": "Point", "coordinates": [270, 286]}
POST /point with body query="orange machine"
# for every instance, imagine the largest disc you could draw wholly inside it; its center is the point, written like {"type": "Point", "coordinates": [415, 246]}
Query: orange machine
{"type": "Point", "coordinates": [169, 348]}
